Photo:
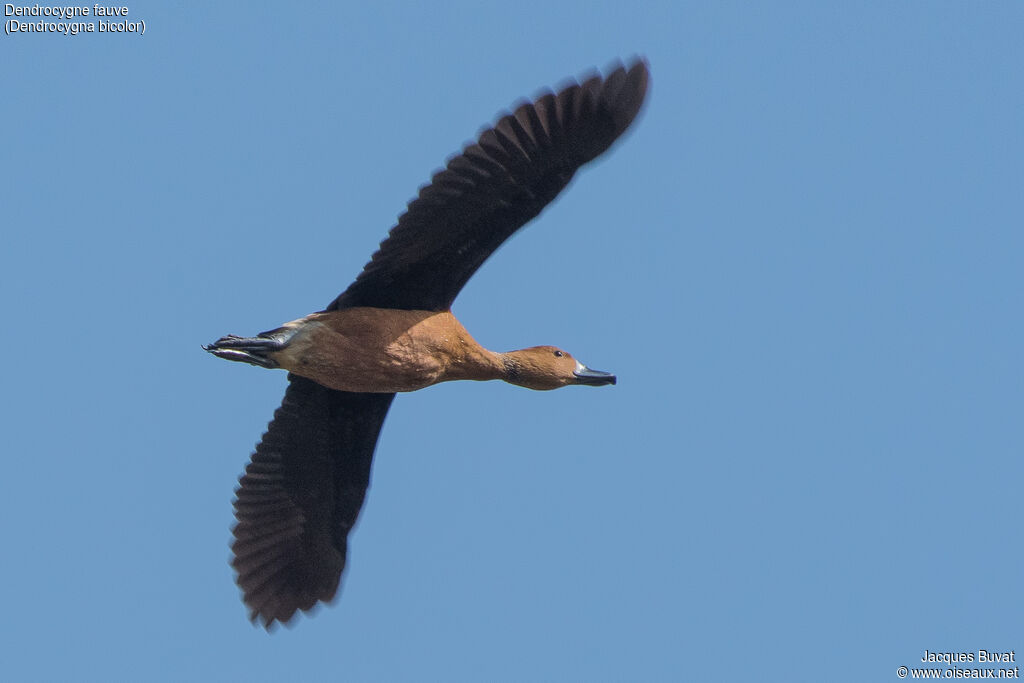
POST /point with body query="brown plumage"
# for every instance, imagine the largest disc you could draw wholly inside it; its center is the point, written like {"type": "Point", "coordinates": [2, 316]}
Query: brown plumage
{"type": "Point", "coordinates": [392, 330]}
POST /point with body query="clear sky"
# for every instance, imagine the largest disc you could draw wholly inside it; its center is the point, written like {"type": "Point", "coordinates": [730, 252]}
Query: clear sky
{"type": "Point", "coordinates": [804, 263]}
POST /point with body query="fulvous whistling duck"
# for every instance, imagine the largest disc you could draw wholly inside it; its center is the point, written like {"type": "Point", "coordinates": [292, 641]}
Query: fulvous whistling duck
{"type": "Point", "coordinates": [392, 330]}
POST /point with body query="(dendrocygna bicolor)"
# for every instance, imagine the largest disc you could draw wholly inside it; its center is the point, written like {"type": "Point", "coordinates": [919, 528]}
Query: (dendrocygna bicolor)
{"type": "Point", "coordinates": [392, 330]}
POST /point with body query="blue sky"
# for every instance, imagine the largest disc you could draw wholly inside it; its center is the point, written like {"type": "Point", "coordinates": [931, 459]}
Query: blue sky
{"type": "Point", "coordinates": [804, 265]}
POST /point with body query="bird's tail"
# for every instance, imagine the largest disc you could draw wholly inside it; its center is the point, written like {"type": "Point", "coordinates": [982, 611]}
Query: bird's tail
{"type": "Point", "coordinates": [256, 350]}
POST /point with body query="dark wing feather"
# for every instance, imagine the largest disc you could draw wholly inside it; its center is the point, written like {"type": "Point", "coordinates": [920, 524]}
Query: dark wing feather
{"type": "Point", "coordinates": [300, 496]}
{"type": "Point", "coordinates": [492, 189]}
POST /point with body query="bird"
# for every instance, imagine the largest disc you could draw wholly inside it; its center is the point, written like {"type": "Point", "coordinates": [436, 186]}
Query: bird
{"type": "Point", "coordinates": [392, 330]}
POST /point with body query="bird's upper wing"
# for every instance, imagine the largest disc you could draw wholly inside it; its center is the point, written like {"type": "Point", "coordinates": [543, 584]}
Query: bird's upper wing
{"type": "Point", "coordinates": [300, 496]}
{"type": "Point", "coordinates": [493, 188]}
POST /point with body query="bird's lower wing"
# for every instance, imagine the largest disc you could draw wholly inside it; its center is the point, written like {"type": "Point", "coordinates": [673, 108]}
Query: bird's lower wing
{"type": "Point", "coordinates": [300, 496]}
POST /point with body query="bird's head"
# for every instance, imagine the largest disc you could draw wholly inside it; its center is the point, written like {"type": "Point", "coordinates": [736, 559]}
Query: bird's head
{"type": "Point", "coordinates": [547, 367]}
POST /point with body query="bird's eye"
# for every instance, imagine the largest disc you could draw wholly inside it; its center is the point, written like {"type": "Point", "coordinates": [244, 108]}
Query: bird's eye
{"type": "Point", "coordinates": [558, 354]}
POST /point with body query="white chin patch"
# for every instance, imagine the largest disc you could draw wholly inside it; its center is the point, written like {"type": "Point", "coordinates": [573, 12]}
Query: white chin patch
{"type": "Point", "coordinates": [580, 367]}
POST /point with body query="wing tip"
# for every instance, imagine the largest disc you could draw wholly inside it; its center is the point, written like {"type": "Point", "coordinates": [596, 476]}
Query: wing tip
{"type": "Point", "coordinates": [278, 581]}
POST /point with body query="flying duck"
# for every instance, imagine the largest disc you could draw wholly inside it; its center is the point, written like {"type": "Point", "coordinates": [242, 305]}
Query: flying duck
{"type": "Point", "coordinates": [392, 330]}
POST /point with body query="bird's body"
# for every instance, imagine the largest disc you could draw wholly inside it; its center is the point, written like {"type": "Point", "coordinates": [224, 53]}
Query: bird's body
{"type": "Point", "coordinates": [384, 350]}
{"type": "Point", "coordinates": [392, 331]}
